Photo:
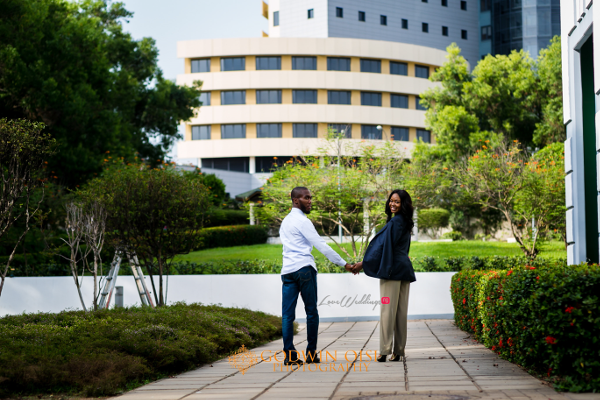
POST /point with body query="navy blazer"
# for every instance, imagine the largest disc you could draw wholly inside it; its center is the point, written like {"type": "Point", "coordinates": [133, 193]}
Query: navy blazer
{"type": "Point", "coordinates": [387, 254]}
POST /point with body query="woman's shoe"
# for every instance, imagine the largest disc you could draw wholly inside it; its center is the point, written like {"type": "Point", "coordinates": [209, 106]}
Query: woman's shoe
{"type": "Point", "coordinates": [395, 357]}
{"type": "Point", "coordinates": [381, 358]}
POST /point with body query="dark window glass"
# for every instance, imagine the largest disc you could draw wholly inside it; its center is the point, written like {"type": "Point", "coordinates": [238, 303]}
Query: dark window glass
{"type": "Point", "coordinates": [269, 164]}
{"type": "Point", "coordinates": [305, 130]}
{"type": "Point", "coordinates": [304, 96]}
{"type": "Point", "coordinates": [370, 66]}
{"type": "Point", "coordinates": [463, 5]}
{"type": "Point", "coordinates": [346, 129]}
{"type": "Point", "coordinates": [420, 106]}
{"type": "Point", "coordinates": [398, 68]}
{"type": "Point", "coordinates": [424, 135]}
{"type": "Point", "coordinates": [304, 63]}
{"type": "Point", "coordinates": [338, 64]}
{"type": "Point", "coordinates": [239, 164]}
{"type": "Point", "coordinates": [425, 27]}
{"type": "Point", "coordinates": [233, 131]}
{"type": "Point", "coordinates": [383, 20]}
{"type": "Point", "coordinates": [276, 18]}
{"type": "Point", "coordinates": [370, 99]}
{"type": "Point", "coordinates": [399, 101]}
{"type": "Point", "coordinates": [370, 132]}
{"type": "Point", "coordinates": [268, 130]}
{"type": "Point", "coordinates": [362, 16]}
{"type": "Point", "coordinates": [205, 98]}
{"type": "Point", "coordinates": [201, 132]}
{"type": "Point", "coordinates": [486, 32]}
{"type": "Point", "coordinates": [268, 63]}
{"type": "Point", "coordinates": [404, 23]}
{"type": "Point", "coordinates": [463, 34]}
{"type": "Point", "coordinates": [233, 64]}
{"type": "Point", "coordinates": [444, 31]}
{"type": "Point", "coordinates": [486, 5]}
{"type": "Point", "coordinates": [421, 71]}
{"type": "Point", "coordinates": [311, 13]}
{"type": "Point", "coordinates": [339, 97]}
{"type": "Point", "coordinates": [445, 3]}
{"type": "Point", "coordinates": [268, 97]}
{"type": "Point", "coordinates": [233, 97]}
{"type": "Point", "coordinates": [202, 65]}
{"type": "Point", "coordinates": [423, 1]}
{"type": "Point", "coordinates": [400, 133]}
{"type": "Point", "coordinates": [339, 12]}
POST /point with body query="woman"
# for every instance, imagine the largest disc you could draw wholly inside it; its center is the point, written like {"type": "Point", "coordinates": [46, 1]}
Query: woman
{"type": "Point", "coordinates": [386, 258]}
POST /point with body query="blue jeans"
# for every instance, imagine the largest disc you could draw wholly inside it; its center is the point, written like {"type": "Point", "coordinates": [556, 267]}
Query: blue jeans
{"type": "Point", "coordinates": [303, 282]}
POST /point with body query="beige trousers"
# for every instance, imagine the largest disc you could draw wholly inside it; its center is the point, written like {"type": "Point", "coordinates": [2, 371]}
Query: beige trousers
{"type": "Point", "coordinates": [393, 316]}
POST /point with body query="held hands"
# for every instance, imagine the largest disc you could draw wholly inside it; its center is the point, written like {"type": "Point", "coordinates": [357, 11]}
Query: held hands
{"type": "Point", "coordinates": [355, 268]}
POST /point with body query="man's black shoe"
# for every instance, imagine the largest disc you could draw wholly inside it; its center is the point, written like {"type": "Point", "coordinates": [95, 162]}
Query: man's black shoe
{"type": "Point", "coordinates": [293, 362]}
{"type": "Point", "coordinates": [312, 359]}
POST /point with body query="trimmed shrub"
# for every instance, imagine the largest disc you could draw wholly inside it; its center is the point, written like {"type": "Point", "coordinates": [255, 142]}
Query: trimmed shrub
{"type": "Point", "coordinates": [235, 235]}
{"type": "Point", "coordinates": [432, 220]}
{"type": "Point", "coordinates": [226, 217]}
{"type": "Point", "coordinates": [545, 318]}
{"type": "Point", "coordinates": [243, 267]}
{"type": "Point", "coordinates": [454, 235]}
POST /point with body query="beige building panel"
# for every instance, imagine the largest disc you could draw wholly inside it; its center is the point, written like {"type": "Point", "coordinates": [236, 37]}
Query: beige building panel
{"type": "Point", "coordinates": [356, 131]}
{"type": "Point", "coordinates": [355, 98]}
{"type": "Point", "coordinates": [250, 131]}
{"type": "Point", "coordinates": [385, 100]}
{"type": "Point", "coordinates": [322, 130]}
{"type": "Point", "coordinates": [287, 130]}
{"type": "Point", "coordinates": [354, 64]}
{"type": "Point", "coordinates": [250, 63]}
{"type": "Point", "coordinates": [286, 63]}
{"type": "Point", "coordinates": [387, 132]}
{"type": "Point", "coordinates": [321, 63]}
{"type": "Point", "coordinates": [286, 96]}
{"type": "Point", "coordinates": [215, 64]}
{"type": "Point", "coordinates": [322, 96]}
{"type": "Point", "coordinates": [251, 97]}
{"type": "Point", "coordinates": [410, 69]}
{"type": "Point", "coordinates": [188, 132]}
{"type": "Point", "coordinates": [215, 132]}
{"type": "Point", "coordinates": [385, 66]}
{"type": "Point", "coordinates": [215, 98]}
{"type": "Point", "coordinates": [412, 135]}
{"type": "Point", "coordinates": [187, 66]}
{"type": "Point", "coordinates": [412, 102]}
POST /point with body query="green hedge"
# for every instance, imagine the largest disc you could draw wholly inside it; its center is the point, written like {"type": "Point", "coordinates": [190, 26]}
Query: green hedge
{"type": "Point", "coordinates": [546, 319]}
{"type": "Point", "coordinates": [226, 217]}
{"type": "Point", "coordinates": [449, 264]}
{"type": "Point", "coordinates": [104, 352]}
{"type": "Point", "coordinates": [242, 267]}
{"type": "Point", "coordinates": [235, 235]}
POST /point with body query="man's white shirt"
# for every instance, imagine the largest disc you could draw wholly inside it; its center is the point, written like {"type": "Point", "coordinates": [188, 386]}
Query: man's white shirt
{"type": "Point", "coordinates": [298, 236]}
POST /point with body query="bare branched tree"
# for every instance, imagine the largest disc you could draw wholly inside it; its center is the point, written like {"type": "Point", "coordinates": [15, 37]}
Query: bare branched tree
{"type": "Point", "coordinates": [74, 225]}
{"type": "Point", "coordinates": [94, 226]}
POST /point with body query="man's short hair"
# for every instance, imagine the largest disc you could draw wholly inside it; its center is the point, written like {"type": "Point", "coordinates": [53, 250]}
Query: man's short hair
{"type": "Point", "coordinates": [297, 192]}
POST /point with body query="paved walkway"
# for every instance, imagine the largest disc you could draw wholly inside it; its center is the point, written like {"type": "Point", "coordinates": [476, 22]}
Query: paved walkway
{"type": "Point", "coordinates": [442, 363]}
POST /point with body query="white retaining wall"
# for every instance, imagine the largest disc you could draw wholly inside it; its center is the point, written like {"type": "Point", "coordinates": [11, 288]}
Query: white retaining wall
{"type": "Point", "coordinates": [341, 296]}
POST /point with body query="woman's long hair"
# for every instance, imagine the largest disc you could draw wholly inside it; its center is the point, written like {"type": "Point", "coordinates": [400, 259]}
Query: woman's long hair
{"type": "Point", "coordinates": [406, 207]}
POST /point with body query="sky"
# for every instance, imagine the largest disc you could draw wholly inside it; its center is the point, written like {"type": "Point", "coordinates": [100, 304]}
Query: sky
{"type": "Point", "coordinates": [170, 21]}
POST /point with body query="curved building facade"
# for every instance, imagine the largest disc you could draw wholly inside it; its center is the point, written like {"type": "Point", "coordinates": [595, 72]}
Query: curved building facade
{"type": "Point", "coordinates": [276, 97]}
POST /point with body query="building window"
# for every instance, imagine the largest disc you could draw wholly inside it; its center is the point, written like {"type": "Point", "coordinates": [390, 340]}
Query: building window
{"type": "Point", "coordinates": [339, 96]}
{"type": "Point", "coordinates": [404, 23]}
{"type": "Point", "coordinates": [309, 63]}
{"type": "Point", "coordinates": [205, 98]}
{"type": "Point", "coordinates": [420, 105]}
{"type": "Point", "coordinates": [383, 20]}
{"type": "Point", "coordinates": [399, 101]}
{"type": "Point", "coordinates": [370, 99]}
{"type": "Point", "coordinates": [268, 97]}
{"type": "Point", "coordinates": [486, 32]}
{"type": "Point", "coordinates": [268, 130]}
{"type": "Point", "coordinates": [239, 164]}
{"type": "Point", "coordinates": [486, 5]}
{"type": "Point", "coordinates": [444, 3]}
{"type": "Point", "coordinates": [362, 16]}
{"type": "Point", "coordinates": [424, 135]}
{"type": "Point", "coordinates": [422, 71]}
{"type": "Point", "coordinates": [338, 64]}
{"type": "Point", "coordinates": [400, 133]}
{"type": "Point", "coordinates": [202, 65]}
{"type": "Point", "coordinates": [304, 96]}
{"type": "Point", "coordinates": [229, 97]}
{"type": "Point", "coordinates": [305, 130]}
{"type": "Point", "coordinates": [463, 34]}
{"type": "Point", "coordinates": [398, 68]}
{"type": "Point", "coordinates": [311, 13]}
{"type": "Point", "coordinates": [275, 18]}
{"type": "Point", "coordinates": [233, 131]}
{"type": "Point", "coordinates": [423, 1]}
{"type": "Point", "coordinates": [263, 63]}
{"type": "Point", "coordinates": [370, 66]}
{"type": "Point", "coordinates": [339, 12]}
{"type": "Point", "coordinates": [233, 64]}
{"type": "Point", "coordinates": [463, 5]}
{"type": "Point", "coordinates": [444, 31]}
{"type": "Point", "coordinates": [201, 132]}
{"type": "Point", "coordinates": [270, 164]}
{"type": "Point", "coordinates": [345, 129]}
{"type": "Point", "coordinates": [425, 27]}
{"type": "Point", "coordinates": [370, 132]}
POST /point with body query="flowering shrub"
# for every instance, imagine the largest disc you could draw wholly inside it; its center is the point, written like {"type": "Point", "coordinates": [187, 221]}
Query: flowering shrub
{"type": "Point", "coordinates": [234, 235]}
{"type": "Point", "coordinates": [103, 352]}
{"type": "Point", "coordinates": [544, 318]}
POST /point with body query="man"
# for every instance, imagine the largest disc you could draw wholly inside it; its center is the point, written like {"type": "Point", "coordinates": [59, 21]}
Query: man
{"type": "Point", "coordinates": [299, 274]}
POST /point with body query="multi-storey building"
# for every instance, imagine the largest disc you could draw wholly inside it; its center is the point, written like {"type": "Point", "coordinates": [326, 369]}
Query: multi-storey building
{"type": "Point", "coordinates": [581, 99]}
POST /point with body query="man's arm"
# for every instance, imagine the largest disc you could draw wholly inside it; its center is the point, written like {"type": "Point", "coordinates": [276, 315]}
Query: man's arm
{"type": "Point", "coordinates": [310, 233]}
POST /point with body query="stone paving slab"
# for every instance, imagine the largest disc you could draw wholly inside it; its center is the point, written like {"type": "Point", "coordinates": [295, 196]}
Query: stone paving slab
{"type": "Point", "coordinates": [442, 363]}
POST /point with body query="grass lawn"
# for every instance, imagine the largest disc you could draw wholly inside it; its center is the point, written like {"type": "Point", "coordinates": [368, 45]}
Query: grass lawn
{"type": "Point", "coordinates": [272, 252]}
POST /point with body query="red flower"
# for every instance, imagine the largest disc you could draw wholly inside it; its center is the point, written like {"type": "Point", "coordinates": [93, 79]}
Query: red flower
{"type": "Point", "coordinates": [549, 370]}
{"type": "Point", "coordinates": [550, 340]}
{"type": "Point", "coordinates": [569, 310]}
{"type": "Point", "coordinates": [531, 267]}
{"type": "Point", "coordinates": [538, 278]}
{"type": "Point", "coordinates": [509, 272]}
{"type": "Point", "coordinates": [493, 348]}
{"type": "Point", "coordinates": [464, 301]}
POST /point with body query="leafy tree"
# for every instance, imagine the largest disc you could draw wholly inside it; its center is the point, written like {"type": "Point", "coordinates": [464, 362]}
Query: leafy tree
{"type": "Point", "coordinates": [70, 65]}
{"type": "Point", "coordinates": [155, 212]}
{"type": "Point", "coordinates": [215, 186]}
{"type": "Point", "coordinates": [23, 150]}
